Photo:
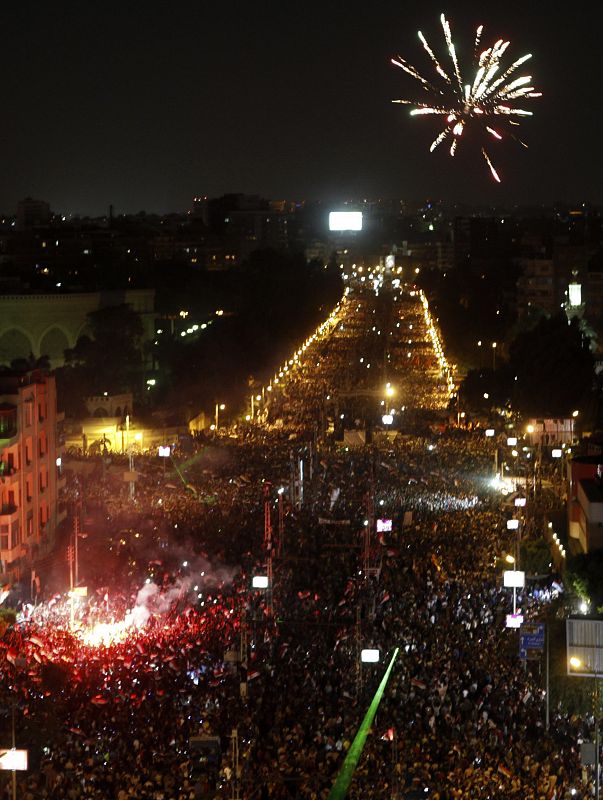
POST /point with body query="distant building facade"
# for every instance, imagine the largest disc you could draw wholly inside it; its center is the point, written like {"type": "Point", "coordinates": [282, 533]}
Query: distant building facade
{"type": "Point", "coordinates": [32, 213]}
{"type": "Point", "coordinates": [30, 470]}
{"type": "Point", "coordinates": [47, 324]}
{"type": "Point", "coordinates": [585, 502]}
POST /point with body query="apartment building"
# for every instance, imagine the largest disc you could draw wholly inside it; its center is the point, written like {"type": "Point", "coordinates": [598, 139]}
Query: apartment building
{"type": "Point", "coordinates": [30, 470]}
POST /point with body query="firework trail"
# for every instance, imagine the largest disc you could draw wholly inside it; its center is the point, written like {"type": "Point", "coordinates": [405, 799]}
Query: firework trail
{"type": "Point", "coordinates": [489, 99]}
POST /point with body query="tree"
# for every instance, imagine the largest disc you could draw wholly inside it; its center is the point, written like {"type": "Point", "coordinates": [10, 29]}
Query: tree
{"type": "Point", "coordinates": [553, 366]}
{"type": "Point", "coordinates": [584, 575]}
{"type": "Point", "coordinates": [536, 556]}
{"type": "Point", "coordinates": [110, 360]}
{"type": "Point", "coordinates": [27, 364]}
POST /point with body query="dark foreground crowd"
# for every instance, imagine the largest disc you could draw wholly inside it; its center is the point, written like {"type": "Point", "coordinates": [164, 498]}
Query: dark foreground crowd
{"type": "Point", "coordinates": [275, 676]}
{"type": "Point", "coordinates": [461, 718]}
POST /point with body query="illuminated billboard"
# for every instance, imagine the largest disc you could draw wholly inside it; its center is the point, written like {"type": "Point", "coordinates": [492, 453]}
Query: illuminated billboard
{"type": "Point", "coordinates": [575, 294]}
{"type": "Point", "coordinates": [513, 578]}
{"type": "Point", "coordinates": [345, 221]}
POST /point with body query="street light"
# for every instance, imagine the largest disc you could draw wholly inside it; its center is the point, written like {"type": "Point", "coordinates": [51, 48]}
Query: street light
{"type": "Point", "coordinates": [574, 416]}
{"type": "Point", "coordinates": [493, 356]}
{"type": "Point", "coordinates": [219, 407]}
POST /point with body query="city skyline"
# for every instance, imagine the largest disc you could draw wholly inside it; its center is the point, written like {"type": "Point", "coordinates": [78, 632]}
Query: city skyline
{"type": "Point", "coordinates": [144, 109]}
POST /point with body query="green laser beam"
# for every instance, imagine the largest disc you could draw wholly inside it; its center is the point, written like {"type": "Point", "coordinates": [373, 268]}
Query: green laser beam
{"type": "Point", "coordinates": [346, 773]}
{"type": "Point", "coordinates": [186, 484]}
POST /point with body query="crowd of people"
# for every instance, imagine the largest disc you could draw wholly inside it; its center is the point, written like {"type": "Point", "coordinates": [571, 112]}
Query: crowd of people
{"type": "Point", "coordinates": [173, 647]}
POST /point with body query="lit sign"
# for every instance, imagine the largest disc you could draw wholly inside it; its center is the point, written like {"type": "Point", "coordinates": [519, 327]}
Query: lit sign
{"type": "Point", "coordinates": [384, 526]}
{"type": "Point", "coordinates": [514, 579]}
{"type": "Point", "coordinates": [556, 452]}
{"type": "Point", "coordinates": [512, 441]}
{"type": "Point", "coordinates": [164, 452]}
{"type": "Point", "coordinates": [514, 620]}
{"type": "Point", "coordinates": [512, 524]}
{"type": "Point", "coordinates": [345, 221]}
{"type": "Point", "coordinates": [369, 656]}
{"type": "Point", "coordinates": [489, 432]}
{"type": "Point", "coordinates": [13, 759]}
{"type": "Point", "coordinates": [390, 261]}
{"type": "Point", "coordinates": [260, 582]}
{"type": "Point", "coordinates": [387, 419]}
{"type": "Point", "coordinates": [575, 294]}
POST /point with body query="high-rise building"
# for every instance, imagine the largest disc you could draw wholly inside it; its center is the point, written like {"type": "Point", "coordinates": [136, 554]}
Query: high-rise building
{"type": "Point", "coordinates": [30, 470]}
{"type": "Point", "coordinates": [31, 213]}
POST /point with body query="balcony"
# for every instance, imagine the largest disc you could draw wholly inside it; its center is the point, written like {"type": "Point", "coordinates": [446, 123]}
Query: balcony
{"type": "Point", "coordinates": [9, 513]}
{"type": "Point", "coordinates": [8, 475]}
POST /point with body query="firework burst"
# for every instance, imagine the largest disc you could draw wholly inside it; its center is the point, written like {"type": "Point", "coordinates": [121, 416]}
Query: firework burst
{"type": "Point", "coordinates": [488, 101]}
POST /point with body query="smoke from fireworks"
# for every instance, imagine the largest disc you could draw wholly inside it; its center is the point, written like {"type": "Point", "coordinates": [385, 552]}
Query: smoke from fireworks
{"type": "Point", "coordinates": [489, 99]}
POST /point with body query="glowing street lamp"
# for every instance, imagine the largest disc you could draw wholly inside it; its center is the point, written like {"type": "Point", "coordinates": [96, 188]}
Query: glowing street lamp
{"type": "Point", "coordinates": [574, 417]}
{"type": "Point", "coordinates": [219, 407]}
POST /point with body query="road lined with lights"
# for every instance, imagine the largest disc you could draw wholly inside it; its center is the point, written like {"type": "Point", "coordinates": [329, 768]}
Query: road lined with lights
{"type": "Point", "coordinates": [378, 356]}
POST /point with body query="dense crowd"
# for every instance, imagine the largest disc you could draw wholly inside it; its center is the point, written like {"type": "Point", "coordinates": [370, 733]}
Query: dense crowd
{"type": "Point", "coordinates": [204, 654]}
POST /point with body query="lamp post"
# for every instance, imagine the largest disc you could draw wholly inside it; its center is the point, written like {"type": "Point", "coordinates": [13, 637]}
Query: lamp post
{"type": "Point", "coordinates": [577, 664]}
{"type": "Point", "coordinates": [572, 422]}
{"type": "Point", "coordinates": [513, 525]}
{"type": "Point", "coordinates": [389, 393]}
{"type": "Point", "coordinates": [493, 356]}
{"type": "Point", "coordinates": [219, 407]}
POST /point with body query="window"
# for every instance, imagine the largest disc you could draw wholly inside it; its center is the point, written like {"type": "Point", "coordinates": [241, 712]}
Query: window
{"type": "Point", "coordinates": [28, 413]}
{"type": "Point", "coordinates": [3, 537]}
{"type": "Point", "coordinates": [29, 524]}
{"type": "Point", "coordinates": [8, 424]}
{"type": "Point", "coordinates": [16, 533]}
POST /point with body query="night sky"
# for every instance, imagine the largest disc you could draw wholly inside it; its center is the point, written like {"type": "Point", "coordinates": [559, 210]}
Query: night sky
{"type": "Point", "coordinates": [144, 105]}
